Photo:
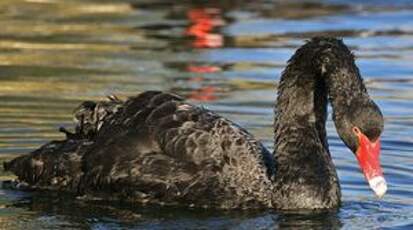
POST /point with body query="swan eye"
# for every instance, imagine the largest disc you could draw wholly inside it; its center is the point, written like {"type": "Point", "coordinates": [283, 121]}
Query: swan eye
{"type": "Point", "coordinates": [356, 131]}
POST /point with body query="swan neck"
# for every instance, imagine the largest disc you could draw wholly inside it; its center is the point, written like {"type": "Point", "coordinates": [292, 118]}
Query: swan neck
{"type": "Point", "coordinates": [321, 71]}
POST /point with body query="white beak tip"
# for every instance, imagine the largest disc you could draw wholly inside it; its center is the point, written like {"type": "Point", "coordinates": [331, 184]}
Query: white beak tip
{"type": "Point", "coordinates": [378, 185]}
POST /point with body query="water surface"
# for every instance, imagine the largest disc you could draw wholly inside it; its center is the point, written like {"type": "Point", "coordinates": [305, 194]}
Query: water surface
{"type": "Point", "coordinates": [225, 55]}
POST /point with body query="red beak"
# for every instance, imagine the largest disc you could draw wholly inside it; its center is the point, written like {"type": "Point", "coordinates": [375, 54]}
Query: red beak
{"type": "Point", "coordinates": [368, 156]}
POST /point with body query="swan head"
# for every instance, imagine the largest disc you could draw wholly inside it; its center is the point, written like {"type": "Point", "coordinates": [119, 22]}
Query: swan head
{"type": "Point", "coordinates": [360, 128]}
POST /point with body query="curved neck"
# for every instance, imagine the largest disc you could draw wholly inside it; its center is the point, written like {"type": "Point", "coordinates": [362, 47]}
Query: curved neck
{"type": "Point", "coordinates": [320, 71]}
{"type": "Point", "coordinates": [323, 68]}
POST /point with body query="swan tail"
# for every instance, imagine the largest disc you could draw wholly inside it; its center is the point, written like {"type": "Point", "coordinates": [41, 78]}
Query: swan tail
{"type": "Point", "coordinates": [55, 165]}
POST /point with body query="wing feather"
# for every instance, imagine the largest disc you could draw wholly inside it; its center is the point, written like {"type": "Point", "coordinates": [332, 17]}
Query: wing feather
{"type": "Point", "coordinates": [155, 147]}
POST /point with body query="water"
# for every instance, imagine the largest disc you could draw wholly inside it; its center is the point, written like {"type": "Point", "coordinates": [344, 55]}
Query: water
{"type": "Point", "coordinates": [226, 55]}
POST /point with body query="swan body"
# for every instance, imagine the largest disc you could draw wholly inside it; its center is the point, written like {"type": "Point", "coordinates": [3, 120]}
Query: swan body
{"type": "Point", "coordinates": [157, 148]}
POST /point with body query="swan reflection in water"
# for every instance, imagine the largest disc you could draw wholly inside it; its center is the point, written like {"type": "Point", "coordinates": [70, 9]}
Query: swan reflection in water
{"type": "Point", "coordinates": [65, 210]}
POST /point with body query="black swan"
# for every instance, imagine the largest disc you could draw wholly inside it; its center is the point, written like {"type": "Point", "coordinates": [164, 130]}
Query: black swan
{"type": "Point", "coordinates": [155, 148]}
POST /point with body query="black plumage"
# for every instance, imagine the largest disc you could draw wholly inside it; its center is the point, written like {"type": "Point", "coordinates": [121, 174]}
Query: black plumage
{"type": "Point", "coordinates": [158, 148]}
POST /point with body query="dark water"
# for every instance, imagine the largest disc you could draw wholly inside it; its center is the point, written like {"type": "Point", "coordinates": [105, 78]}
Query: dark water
{"type": "Point", "coordinates": [226, 55]}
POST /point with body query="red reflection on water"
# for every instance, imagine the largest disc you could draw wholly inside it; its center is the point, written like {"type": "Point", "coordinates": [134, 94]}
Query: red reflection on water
{"type": "Point", "coordinates": [206, 93]}
{"type": "Point", "coordinates": [203, 69]}
{"type": "Point", "coordinates": [203, 23]}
